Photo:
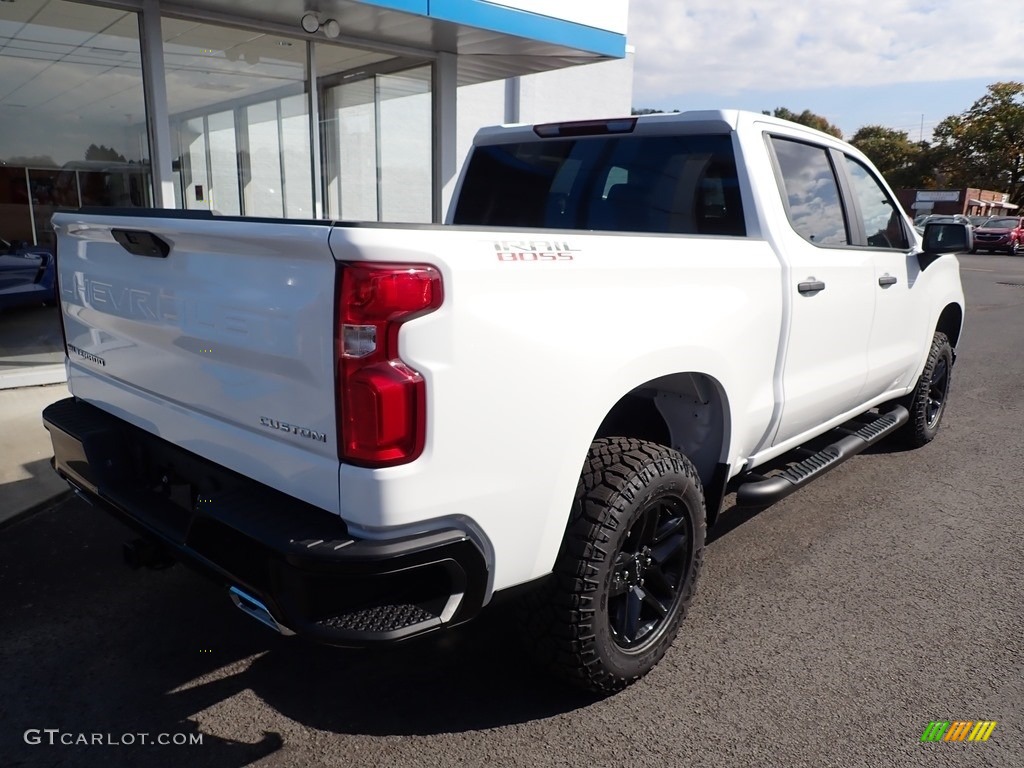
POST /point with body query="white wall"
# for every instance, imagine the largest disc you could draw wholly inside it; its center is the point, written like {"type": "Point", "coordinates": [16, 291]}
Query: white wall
{"type": "Point", "coordinates": [576, 93]}
{"type": "Point", "coordinates": [478, 106]}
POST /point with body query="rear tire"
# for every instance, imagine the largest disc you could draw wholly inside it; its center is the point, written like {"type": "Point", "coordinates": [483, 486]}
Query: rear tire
{"type": "Point", "coordinates": [928, 402]}
{"type": "Point", "coordinates": [627, 570]}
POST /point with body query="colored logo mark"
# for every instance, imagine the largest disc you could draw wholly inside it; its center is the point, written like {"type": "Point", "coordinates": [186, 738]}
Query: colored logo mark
{"type": "Point", "coordinates": [958, 730]}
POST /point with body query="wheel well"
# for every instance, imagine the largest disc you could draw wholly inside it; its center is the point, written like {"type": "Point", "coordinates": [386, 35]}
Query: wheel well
{"type": "Point", "coordinates": [686, 411]}
{"type": "Point", "coordinates": [950, 323]}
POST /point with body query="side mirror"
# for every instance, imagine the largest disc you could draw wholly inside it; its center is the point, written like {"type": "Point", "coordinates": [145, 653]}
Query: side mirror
{"type": "Point", "coordinates": [948, 238]}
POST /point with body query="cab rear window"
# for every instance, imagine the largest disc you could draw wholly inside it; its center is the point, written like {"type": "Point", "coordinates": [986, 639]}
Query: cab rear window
{"type": "Point", "coordinates": [659, 184]}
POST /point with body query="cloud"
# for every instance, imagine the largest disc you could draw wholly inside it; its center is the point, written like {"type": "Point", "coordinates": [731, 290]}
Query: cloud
{"type": "Point", "coordinates": [700, 46]}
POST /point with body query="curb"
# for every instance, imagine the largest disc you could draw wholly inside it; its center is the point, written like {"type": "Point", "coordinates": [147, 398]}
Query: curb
{"type": "Point", "coordinates": [38, 376]}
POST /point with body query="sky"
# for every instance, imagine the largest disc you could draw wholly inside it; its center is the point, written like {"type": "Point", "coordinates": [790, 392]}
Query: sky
{"type": "Point", "coordinates": [904, 64]}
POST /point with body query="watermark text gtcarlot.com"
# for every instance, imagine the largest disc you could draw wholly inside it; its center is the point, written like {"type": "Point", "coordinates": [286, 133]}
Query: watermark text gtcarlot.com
{"type": "Point", "coordinates": [55, 736]}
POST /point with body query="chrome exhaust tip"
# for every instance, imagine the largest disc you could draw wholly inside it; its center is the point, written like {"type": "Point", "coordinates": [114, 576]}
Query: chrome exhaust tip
{"type": "Point", "coordinates": [250, 606]}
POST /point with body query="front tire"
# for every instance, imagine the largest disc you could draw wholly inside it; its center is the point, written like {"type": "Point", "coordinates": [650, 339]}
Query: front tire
{"type": "Point", "coordinates": [628, 567]}
{"type": "Point", "coordinates": [928, 402]}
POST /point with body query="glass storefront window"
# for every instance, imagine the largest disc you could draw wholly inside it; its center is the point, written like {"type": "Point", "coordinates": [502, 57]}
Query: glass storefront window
{"type": "Point", "coordinates": [74, 118]}
{"type": "Point", "coordinates": [405, 140]}
{"type": "Point", "coordinates": [72, 132]}
{"type": "Point", "coordinates": [263, 190]}
{"type": "Point", "coordinates": [296, 158]}
{"type": "Point", "coordinates": [377, 138]}
{"type": "Point", "coordinates": [75, 131]}
{"type": "Point", "coordinates": [220, 133]}
{"type": "Point", "coordinates": [240, 125]}
{"type": "Point", "coordinates": [239, 120]}
{"type": "Point", "coordinates": [350, 150]}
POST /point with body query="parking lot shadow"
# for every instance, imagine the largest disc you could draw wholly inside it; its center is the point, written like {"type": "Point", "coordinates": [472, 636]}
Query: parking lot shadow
{"type": "Point", "coordinates": [92, 647]}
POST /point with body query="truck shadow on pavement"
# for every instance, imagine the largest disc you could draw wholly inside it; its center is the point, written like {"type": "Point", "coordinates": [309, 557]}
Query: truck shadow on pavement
{"type": "Point", "coordinates": [90, 646]}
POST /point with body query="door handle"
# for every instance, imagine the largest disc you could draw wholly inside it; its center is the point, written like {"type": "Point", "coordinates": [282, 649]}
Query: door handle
{"type": "Point", "coordinates": [810, 286]}
{"type": "Point", "coordinates": [886, 280]}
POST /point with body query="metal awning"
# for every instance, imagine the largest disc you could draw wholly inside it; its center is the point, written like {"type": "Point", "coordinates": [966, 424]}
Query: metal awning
{"type": "Point", "coordinates": [492, 40]}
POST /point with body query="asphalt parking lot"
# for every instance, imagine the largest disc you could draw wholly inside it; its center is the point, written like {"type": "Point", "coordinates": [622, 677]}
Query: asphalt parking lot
{"type": "Point", "coordinates": [828, 631]}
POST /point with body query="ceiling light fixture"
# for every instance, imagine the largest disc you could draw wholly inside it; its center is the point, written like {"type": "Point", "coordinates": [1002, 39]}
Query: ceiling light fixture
{"type": "Point", "coordinates": [332, 28]}
{"type": "Point", "coordinates": [310, 23]}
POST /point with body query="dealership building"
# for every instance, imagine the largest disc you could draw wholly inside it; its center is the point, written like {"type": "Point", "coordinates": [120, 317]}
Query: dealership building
{"type": "Point", "coordinates": [304, 109]}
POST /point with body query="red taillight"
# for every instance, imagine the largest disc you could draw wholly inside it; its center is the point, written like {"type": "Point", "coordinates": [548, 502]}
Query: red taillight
{"type": "Point", "coordinates": [381, 401]}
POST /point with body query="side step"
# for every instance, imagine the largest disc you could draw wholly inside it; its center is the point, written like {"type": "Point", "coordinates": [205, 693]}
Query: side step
{"type": "Point", "coordinates": [762, 491]}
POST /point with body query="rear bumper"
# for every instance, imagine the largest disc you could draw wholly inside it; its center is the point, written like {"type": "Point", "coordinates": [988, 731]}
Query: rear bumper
{"type": "Point", "coordinates": [295, 559]}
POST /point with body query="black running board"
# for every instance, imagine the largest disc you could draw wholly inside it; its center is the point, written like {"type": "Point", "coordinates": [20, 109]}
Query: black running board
{"type": "Point", "coordinates": [763, 491]}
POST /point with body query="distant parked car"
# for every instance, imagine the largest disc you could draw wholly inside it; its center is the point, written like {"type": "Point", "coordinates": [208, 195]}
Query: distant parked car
{"type": "Point", "coordinates": [27, 275]}
{"type": "Point", "coordinates": [1000, 233]}
{"type": "Point", "coordinates": [937, 218]}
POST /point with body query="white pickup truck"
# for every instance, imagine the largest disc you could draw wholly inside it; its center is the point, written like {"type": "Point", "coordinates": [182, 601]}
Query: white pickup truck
{"type": "Point", "coordinates": [365, 432]}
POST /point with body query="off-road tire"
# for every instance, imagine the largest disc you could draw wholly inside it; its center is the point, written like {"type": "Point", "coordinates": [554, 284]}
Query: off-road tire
{"type": "Point", "coordinates": [928, 402]}
{"type": "Point", "coordinates": [635, 539]}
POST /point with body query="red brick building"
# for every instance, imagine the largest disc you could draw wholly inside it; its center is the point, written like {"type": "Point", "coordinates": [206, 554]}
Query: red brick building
{"type": "Point", "coordinates": [968, 201]}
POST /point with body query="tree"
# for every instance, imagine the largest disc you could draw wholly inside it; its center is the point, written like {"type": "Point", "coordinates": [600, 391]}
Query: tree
{"type": "Point", "coordinates": [649, 111]}
{"type": "Point", "coordinates": [984, 146]}
{"type": "Point", "coordinates": [807, 118]}
{"type": "Point", "coordinates": [103, 152]}
{"type": "Point", "coordinates": [904, 163]}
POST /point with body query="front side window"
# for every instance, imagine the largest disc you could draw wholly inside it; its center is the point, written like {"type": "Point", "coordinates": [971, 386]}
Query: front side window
{"type": "Point", "coordinates": [883, 224]}
{"type": "Point", "coordinates": [660, 184]}
{"type": "Point", "coordinates": [811, 193]}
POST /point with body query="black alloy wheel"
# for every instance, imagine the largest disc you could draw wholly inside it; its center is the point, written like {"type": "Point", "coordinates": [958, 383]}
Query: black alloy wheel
{"type": "Point", "coordinates": [938, 390]}
{"type": "Point", "coordinates": [648, 573]}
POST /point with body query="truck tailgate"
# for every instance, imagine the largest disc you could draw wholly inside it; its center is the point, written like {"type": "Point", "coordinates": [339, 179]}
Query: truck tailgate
{"type": "Point", "coordinates": [224, 346]}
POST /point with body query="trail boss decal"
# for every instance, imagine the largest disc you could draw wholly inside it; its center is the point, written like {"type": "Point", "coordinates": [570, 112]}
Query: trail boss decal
{"type": "Point", "coordinates": [534, 250]}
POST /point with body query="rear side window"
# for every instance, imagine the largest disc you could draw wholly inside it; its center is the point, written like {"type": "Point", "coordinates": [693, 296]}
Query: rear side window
{"type": "Point", "coordinates": [811, 193]}
{"type": "Point", "coordinates": [666, 184]}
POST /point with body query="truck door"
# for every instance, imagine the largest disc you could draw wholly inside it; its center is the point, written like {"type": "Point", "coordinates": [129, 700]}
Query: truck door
{"type": "Point", "coordinates": [899, 329]}
{"type": "Point", "coordinates": [832, 292]}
